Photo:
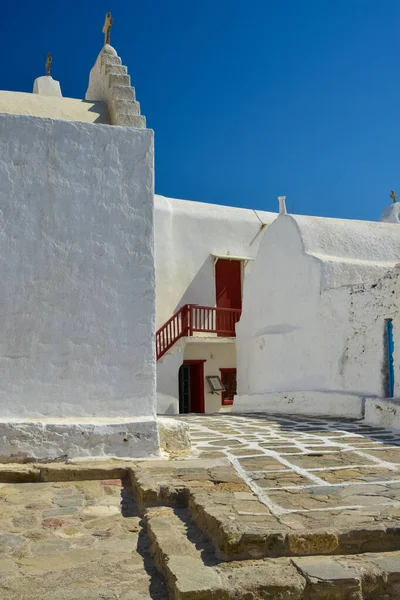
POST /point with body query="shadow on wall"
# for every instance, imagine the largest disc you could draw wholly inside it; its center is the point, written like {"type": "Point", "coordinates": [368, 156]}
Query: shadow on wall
{"type": "Point", "coordinates": [101, 109]}
{"type": "Point", "coordinates": [202, 288]}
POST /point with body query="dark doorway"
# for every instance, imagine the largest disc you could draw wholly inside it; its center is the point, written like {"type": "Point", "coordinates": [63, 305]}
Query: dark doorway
{"type": "Point", "coordinates": [191, 387]}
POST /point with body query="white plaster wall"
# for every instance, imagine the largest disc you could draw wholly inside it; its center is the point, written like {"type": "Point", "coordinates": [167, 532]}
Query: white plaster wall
{"type": "Point", "coordinates": [76, 270]}
{"type": "Point", "coordinates": [364, 360]}
{"type": "Point", "coordinates": [303, 328]}
{"type": "Point", "coordinates": [186, 234]}
{"type": "Point", "coordinates": [383, 412]}
{"type": "Point", "coordinates": [217, 356]}
{"type": "Point", "coordinates": [280, 302]}
{"type": "Point", "coordinates": [167, 380]}
{"type": "Point", "coordinates": [52, 438]}
{"type": "Point", "coordinates": [308, 402]}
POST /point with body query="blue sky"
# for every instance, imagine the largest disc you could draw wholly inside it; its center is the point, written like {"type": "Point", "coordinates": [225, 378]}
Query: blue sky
{"type": "Point", "coordinates": [249, 99]}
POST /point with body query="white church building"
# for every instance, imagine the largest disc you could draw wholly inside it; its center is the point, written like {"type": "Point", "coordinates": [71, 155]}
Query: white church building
{"type": "Point", "coordinates": [119, 304]}
{"type": "Point", "coordinates": [77, 310]}
{"type": "Point", "coordinates": [312, 338]}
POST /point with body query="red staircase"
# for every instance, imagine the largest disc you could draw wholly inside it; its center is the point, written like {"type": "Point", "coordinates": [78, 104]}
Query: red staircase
{"type": "Point", "coordinates": [192, 318]}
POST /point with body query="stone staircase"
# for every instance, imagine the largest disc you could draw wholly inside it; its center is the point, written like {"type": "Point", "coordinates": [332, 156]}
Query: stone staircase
{"type": "Point", "coordinates": [211, 538]}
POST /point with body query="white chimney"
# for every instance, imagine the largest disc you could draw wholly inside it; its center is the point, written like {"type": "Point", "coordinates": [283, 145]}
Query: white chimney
{"type": "Point", "coordinates": [282, 205]}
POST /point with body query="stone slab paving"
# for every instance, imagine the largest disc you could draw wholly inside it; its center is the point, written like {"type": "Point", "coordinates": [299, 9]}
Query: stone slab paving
{"type": "Point", "coordinates": [74, 540]}
{"type": "Point", "coordinates": [303, 466]}
{"type": "Point", "coordinates": [279, 508]}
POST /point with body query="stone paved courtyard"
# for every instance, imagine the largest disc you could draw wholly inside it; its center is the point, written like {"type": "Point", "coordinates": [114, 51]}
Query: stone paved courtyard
{"type": "Point", "coordinates": [302, 465]}
{"type": "Point", "coordinates": [263, 507]}
{"type": "Point", "coordinates": [74, 540]}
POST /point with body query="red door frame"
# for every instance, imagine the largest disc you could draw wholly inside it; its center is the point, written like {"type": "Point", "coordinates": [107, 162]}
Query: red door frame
{"type": "Point", "coordinates": [196, 383]}
{"type": "Point", "coordinates": [228, 283]}
{"type": "Point", "coordinates": [228, 401]}
{"type": "Point", "coordinates": [228, 289]}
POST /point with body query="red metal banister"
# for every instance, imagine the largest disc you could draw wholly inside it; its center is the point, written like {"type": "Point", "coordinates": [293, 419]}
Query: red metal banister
{"type": "Point", "coordinates": [194, 318]}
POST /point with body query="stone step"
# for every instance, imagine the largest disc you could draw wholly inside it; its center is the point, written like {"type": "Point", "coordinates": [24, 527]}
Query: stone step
{"type": "Point", "coordinates": [184, 557]}
{"type": "Point", "coordinates": [115, 69]}
{"type": "Point", "coordinates": [122, 113]}
{"type": "Point", "coordinates": [116, 79]}
{"type": "Point", "coordinates": [110, 59]}
{"type": "Point", "coordinates": [126, 93]}
{"type": "Point", "coordinates": [242, 528]}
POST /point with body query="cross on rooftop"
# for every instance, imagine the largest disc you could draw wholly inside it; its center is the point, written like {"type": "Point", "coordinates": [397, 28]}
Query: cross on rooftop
{"type": "Point", "coordinates": [48, 64]}
{"type": "Point", "coordinates": [393, 196]}
{"type": "Point", "coordinates": [107, 28]}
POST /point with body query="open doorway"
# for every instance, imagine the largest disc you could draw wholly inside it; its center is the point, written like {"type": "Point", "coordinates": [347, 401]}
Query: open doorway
{"type": "Point", "coordinates": [191, 387]}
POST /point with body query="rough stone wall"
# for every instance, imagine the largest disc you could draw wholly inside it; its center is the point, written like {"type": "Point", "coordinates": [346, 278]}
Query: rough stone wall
{"type": "Point", "coordinates": [77, 303]}
{"type": "Point", "coordinates": [364, 356]}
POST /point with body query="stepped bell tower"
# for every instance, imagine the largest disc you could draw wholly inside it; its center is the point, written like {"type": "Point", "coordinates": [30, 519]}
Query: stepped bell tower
{"type": "Point", "coordinates": [109, 82]}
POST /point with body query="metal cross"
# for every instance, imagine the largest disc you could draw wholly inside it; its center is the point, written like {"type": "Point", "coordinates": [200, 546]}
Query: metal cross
{"type": "Point", "coordinates": [393, 196]}
{"type": "Point", "coordinates": [107, 28]}
{"type": "Point", "coordinates": [48, 64]}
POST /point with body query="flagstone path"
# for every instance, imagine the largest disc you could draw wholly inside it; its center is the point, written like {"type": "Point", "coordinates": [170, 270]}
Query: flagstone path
{"type": "Point", "coordinates": [304, 467]}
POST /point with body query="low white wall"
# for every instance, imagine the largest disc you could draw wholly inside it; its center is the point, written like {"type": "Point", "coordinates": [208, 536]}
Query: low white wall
{"type": "Point", "coordinates": [302, 403]}
{"type": "Point", "coordinates": [52, 439]}
{"type": "Point", "coordinates": [384, 412]}
{"type": "Point", "coordinates": [77, 270]}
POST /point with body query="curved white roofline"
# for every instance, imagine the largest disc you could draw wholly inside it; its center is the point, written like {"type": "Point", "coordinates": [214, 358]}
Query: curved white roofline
{"type": "Point", "coordinates": [348, 240]}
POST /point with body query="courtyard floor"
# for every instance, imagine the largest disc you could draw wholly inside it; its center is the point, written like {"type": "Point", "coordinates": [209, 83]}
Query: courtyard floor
{"type": "Point", "coordinates": [304, 466]}
{"type": "Point", "coordinates": [267, 507]}
{"type": "Point", "coordinates": [74, 541]}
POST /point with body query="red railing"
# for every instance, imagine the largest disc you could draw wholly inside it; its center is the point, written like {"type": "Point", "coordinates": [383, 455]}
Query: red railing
{"type": "Point", "coordinates": [192, 318]}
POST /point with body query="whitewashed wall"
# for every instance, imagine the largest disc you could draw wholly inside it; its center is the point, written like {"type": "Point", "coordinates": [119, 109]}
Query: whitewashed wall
{"type": "Point", "coordinates": [186, 234]}
{"type": "Point", "coordinates": [76, 270]}
{"type": "Point", "coordinates": [167, 380]}
{"type": "Point", "coordinates": [308, 339]}
{"type": "Point", "coordinates": [365, 355]}
{"type": "Point", "coordinates": [383, 412]}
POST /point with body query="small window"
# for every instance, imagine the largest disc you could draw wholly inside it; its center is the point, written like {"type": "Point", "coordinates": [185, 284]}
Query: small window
{"type": "Point", "coordinates": [215, 384]}
{"type": "Point", "coordinates": [228, 378]}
